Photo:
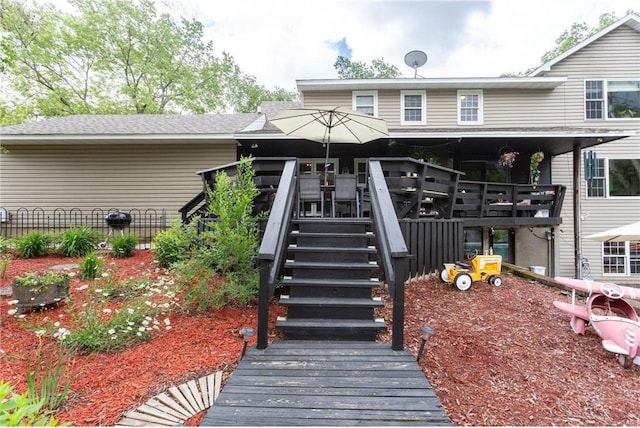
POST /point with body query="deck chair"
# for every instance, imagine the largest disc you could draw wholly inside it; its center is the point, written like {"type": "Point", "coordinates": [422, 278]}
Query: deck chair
{"type": "Point", "coordinates": [346, 192]}
{"type": "Point", "coordinates": [310, 192]}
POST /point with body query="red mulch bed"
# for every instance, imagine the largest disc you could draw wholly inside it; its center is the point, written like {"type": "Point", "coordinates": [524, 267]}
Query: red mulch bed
{"type": "Point", "coordinates": [500, 355]}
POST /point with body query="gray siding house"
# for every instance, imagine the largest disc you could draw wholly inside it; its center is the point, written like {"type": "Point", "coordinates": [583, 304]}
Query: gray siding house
{"type": "Point", "coordinates": [564, 108]}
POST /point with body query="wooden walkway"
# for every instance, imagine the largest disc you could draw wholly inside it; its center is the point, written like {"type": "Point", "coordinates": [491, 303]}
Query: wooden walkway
{"type": "Point", "coordinates": [327, 383]}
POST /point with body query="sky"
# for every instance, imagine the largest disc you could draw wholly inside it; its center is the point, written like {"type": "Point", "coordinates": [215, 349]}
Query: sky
{"type": "Point", "coordinates": [279, 41]}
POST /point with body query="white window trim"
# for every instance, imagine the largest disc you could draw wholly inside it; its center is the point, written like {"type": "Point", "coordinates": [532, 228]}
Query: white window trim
{"type": "Point", "coordinates": [627, 262]}
{"type": "Point", "coordinates": [355, 94]}
{"type": "Point", "coordinates": [477, 92]}
{"type": "Point", "coordinates": [423, 107]}
{"type": "Point", "coordinates": [606, 185]}
{"type": "Point", "coordinates": [605, 105]}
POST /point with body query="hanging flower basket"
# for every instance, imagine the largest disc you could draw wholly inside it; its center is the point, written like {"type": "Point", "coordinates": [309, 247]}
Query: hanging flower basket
{"type": "Point", "coordinates": [534, 172]}
{"type": "Point", "coordinates": [507, 159]}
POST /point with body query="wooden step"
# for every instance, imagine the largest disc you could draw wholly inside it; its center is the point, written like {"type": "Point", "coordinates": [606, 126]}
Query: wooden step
{"type": "Point", "coordinates": [330, 329]}
{"type": "Point", "coordinates": [330, 266]}
{"type": "Point", "coordinates": [329, 282]}
{"type": "Point", "coordinates": [369, 249]}
{"type": "Point", "coordinates": [287, 300]}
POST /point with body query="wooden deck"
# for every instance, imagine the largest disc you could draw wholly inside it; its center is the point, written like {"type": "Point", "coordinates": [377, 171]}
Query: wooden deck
{"type": "Point", "coordinates": [324, 383]}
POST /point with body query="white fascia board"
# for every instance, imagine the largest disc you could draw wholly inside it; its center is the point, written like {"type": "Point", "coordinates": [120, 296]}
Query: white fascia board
{"type": "Point", "coordinates": [110, 138]}
{"type": "Point", "coordinates": [431, 83]}
{"type": "Point", "coordinates": [510, 134]}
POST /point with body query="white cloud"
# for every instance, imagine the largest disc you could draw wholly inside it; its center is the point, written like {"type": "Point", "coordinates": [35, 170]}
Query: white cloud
{"type": "Point", "coordinates": [279, 41]}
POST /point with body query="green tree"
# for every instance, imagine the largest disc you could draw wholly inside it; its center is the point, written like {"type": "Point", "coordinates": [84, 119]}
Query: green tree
{"type": "Point", "coordinates": [117, 56]}
{"type": "Point", "coordinates": [378, 69]}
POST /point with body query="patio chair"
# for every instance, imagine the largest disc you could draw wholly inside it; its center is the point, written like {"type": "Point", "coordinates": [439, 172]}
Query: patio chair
{"type": "Point", "coordinates": [310, 191]}
{"type": "Point", "coordinates": [346, 191]}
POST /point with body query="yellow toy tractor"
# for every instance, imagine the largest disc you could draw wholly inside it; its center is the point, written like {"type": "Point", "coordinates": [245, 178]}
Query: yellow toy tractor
{"type": "Point", "coordinates": [478, 268]}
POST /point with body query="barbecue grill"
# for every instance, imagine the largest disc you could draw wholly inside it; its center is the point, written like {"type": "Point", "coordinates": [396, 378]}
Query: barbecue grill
{"type": "Point", "coordinates": [118, 220]}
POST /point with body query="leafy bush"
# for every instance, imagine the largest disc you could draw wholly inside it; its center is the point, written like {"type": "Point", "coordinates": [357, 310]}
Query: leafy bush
{"type": "Point", "coordinates": [78, 241]}
{"type": "Point", "coordinates": [22, 409]}
{"type": "Point", "coordinates": [91, 267]}
{"type": "Point", "coordinates": [123, 245]}
{"type": "Point", "coordinates": [32, 245]}
{"type": "Point", "coordinates": [172, 245]}
{"type": "Point", "coordinates": [4, 245]}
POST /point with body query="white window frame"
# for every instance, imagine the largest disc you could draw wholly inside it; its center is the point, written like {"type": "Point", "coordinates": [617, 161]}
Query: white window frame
{"type": "Point", "coordinates": [480, 118]}
{"type": "Point", "coordinates": [423, 108]}
{"type": "Point", "coordinates": [356, 94]}
{"type": "Point", "coordinates": [605, 180]}
{"type": "Point", "coordinates": [605, 98]}
{"type": "Point", "coordinates": [627, 260]}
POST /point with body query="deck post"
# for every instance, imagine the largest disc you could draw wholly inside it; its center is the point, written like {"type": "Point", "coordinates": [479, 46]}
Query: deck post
{"type": "Point", "coordinates": [397, 330]}
{"type": "Point", "coordinates": [263, 304]}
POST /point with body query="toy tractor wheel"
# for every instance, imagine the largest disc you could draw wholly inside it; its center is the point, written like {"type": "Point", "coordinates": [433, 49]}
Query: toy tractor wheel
{"type": "Point", "coordinates": [444, 275]}
{"type": "Point", "coordinates": [463, 281]}
{"type": "Point", "coordinates": [496, 280]}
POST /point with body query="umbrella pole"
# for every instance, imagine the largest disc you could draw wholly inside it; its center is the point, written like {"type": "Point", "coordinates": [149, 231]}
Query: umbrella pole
{"type": "Point", "coordinates": [326, 160]}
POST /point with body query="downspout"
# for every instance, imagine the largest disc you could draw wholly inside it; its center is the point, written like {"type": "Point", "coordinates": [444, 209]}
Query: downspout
{"type": "Point", "coordinates": [577, 228]}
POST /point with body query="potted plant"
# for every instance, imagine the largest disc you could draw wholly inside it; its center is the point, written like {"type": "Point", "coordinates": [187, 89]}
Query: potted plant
{"type": "Point", "coordinates": [534, 172]}
{"type": "Point", "coordinates": [38, 290]}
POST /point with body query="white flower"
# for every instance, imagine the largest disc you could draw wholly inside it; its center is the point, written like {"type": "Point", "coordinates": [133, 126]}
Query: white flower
{"type": "Point", "coordinates": [130, 310]}
{"type": "Point", "coordinates": [167, 321]}
{"type": "Point", "coordinates": [111, 331]}
{"type": "Point", "coordinates": [40, 332]}
{"type": "Point", "coordinates": [56, 324]}
{"type": "Point", "coordinates": [13, 302]}
{"type": "Point", "coordinates": [130, 323]}
{"type": "Point", "coordinates": [12, 311]}
{"type": "Point", "coordinates": [71, 274]}
{"type": "Point", "coordinates": [82, 287]}
{"type": "Point", "coordinates": [104, 274]}
{"type": "Point", "coordinates": [61, 333]}
{"type": "Point", "coordinates": [98, 290]}
{"type": "Point", "coordinates": [141, 329]}
{"type": "Point", "coordinates": [106, 310]}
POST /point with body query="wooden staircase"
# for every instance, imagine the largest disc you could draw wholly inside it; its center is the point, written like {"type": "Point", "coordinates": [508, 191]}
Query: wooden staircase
{"type": "Point", "coordinates": [330, 271]}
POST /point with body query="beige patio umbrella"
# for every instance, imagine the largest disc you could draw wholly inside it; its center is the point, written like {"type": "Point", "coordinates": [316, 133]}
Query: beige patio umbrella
{"type": "Point", "coordinates": [336, 124]}
{"type": "Point", "coordinates": [630, 232]}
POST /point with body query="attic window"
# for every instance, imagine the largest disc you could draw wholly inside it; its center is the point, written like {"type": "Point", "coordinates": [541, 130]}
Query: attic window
{"type": "Point", "coordinates": [470, 108]}
{"type": "Point", "coordinates": [413, 106]}
{"type": "Point", "coordinates": [366, 102]}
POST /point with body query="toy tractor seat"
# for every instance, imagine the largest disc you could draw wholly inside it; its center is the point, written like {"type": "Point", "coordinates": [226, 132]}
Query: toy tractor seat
{"type": "Point", "coordinates": [463, 265]}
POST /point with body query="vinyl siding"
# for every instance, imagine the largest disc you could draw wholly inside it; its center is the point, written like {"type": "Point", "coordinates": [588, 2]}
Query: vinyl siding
{"type": "Point", "coordinates": [107, 176]}
{"type": "Point", "coordinates": [616, 55]}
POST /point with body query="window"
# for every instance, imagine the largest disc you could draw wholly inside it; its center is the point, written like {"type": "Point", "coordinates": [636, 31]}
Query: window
{"type": "Point", "coordinates": [615, 178]}
{"type": "Point", "coordinates": [413, 106]}
{"type": "Point", "coordinates": [470, 108]}
{"type": "Point", "coordinates": [621, 258]}
{"type": "Point", "coordinates": [366, 102]}
{"type": "Point", "coordinates": [620, 99]}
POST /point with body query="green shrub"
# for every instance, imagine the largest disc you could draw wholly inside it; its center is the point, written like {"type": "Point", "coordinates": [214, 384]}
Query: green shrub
{"type": "Point", "coordinates": [78, 241]}
{"type": "Point", "coordinates": [123, 245]}
{"type": "Point", "coordinates": [172, 245]}
{"type": "Point", "coordinates": [32, 245]}
{"type": "Point", "coordinates": [4, 245]}
{"type": "Point", "coordinates": [91, 266]}
{"type": "Point", "coordinates": [22, 409]}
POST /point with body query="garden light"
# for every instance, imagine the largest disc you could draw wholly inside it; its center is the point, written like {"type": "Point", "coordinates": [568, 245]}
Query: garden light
{"type": "Point", "coordinates": [427, 332]}
{"type": "Point", "coordinates": [247, 333]}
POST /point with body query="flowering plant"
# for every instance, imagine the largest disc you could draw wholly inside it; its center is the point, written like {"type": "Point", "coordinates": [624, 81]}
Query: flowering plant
{"type": "Point", "coordinates": [507, 159]}
{"type": "Point", "coordinates": [534, 172]}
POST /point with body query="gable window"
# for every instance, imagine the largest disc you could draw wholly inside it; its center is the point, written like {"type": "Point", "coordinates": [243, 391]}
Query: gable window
{"type": "Point", "coordinates": [414, 106]}
{"type": "Point", "coordinates": [470, 108]}
{"type": "Point", "coordinates": [366, 102]}
{"type": "Point", "coordinates": [615, 178]}
{"type": "Point", "coordinates": [611, 99]}
{"type": "Point", "coordinates": [621, 258]}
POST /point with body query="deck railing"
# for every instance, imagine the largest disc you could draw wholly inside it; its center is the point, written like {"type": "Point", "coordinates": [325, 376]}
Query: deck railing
{"type": "Point", "coordinates": [391, 248]}
{"type": "Point", "coordinates": [272, 253]}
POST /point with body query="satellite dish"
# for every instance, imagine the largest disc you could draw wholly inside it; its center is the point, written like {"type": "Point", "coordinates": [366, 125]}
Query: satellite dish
{"type": "Point", "coordinates": [415, 59]}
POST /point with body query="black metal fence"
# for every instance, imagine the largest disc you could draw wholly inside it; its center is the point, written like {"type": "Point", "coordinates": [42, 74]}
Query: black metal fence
{"type": "Point", "coordinates": [144, 223]}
